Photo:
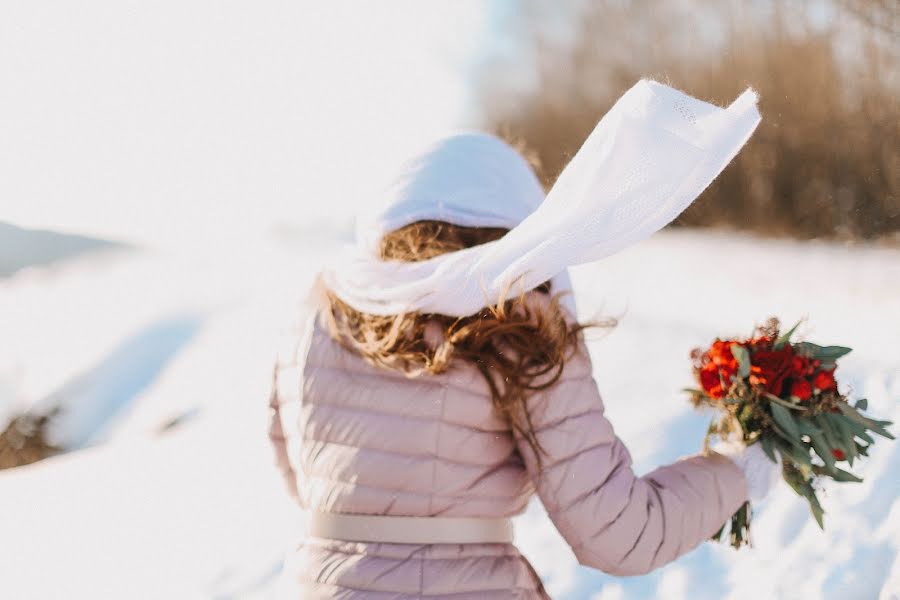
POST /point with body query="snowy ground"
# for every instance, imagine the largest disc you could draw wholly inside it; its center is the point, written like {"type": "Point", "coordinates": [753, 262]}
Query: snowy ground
{"type": "Point", "coordinates": [130, 342]}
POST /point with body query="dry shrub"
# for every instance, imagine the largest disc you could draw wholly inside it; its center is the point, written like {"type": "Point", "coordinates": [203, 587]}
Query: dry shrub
{"type": "Point", "coordinates": [825, 162]}
{"type": "Point", "coordinates": [24, 441]}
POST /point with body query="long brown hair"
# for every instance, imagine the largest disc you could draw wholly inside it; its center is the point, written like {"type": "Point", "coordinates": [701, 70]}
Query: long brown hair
{"type": "Point", "coordinates": [517, 349]}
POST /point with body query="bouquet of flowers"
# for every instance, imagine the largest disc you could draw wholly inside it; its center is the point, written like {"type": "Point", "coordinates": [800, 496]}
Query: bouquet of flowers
{"type": "Point", "coordinates": [783, 395]}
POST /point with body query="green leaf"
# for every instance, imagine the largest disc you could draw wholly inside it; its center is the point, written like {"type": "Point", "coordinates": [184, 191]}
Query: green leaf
{"type": "Point", "coordinates": [817, 510]}
{"type": "Point", "coordinates": [785, 403]}
{"type": "Point", "coordinates": [865, 437]}
{"type": "Point", "coordinates": [839, 424]}
{"type": "Point", "coordinates": [844, 476]}
{"type": "Point", "coordinates": [784, 419]}
{"type": "Point", "coordinates": [806, 426]}
{"type": "Point", "coordinates": [860, 430]}
{"type": "Point", "coordinates": [743, 359]}
{"type": "Point", "coordinates": [875, 426]}
{"type": "Point", "coordinates": [861, 404]}
{"type": "Point", "coordinates": [784, 450]}
{"type": "Point", "coordinates": [786, 337]}
{"type": "Point", "coordinates": [808, 349]}
{"type": "Point", "coordinates": [795, 443]}
{"type": "Point", "coordinates": [831, 436]}
{"type": "Point", "coordinates": [798, 456]}
{"type": "Point", "coordinates": [823, 450]}
{"type": "Point", "coordinates": [768, 447]}
{"type": "Point", "coordinates": [799, 479]}
{"type": "Point", "coordinates": [832, 353]}
{"type": "Point", "coordinates": [823, 353]}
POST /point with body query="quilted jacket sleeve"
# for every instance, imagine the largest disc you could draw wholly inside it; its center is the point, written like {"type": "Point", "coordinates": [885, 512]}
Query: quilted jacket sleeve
{"type": "Point", "coordinates": [614, 520]}
{"type": "Point", "coordinates": [278, 440]}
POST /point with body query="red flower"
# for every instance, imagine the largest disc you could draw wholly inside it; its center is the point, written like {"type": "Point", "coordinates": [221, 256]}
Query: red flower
{"type": "Point", "coordinates": [838, 453]}
{"type": "Point", "coordinates": [720, 354]}
{"type": "Point", "coordinates": [760, 343]}
{"type": "Point", "coordinates": [711, 382]}
{"type": "Point", "coordinates": [801, 366]}
{"type": "Point", "coordinates": [772, 367]}
{"type": "Point", "coordinates": [801, 388]}
{"type": "Point", "coordinates": [719, 367]}
{"type": "Point", "coordinates": [824, 380]}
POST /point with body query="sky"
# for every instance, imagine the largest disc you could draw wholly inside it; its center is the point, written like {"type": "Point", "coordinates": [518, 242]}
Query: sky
{"type": "Point", "coordinates": [192, 123]}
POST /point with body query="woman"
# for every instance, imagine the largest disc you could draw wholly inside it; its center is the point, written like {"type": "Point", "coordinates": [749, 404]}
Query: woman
{"type": "Point", "coordinates": [444, 379]}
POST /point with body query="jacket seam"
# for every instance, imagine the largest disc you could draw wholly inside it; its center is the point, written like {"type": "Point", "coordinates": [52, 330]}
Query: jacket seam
{"type": "Point", "coordinates": [312, 581]}
{"type": "Point", "coordinates": [557, 423]}
{"type": "Point", "coordinates": [351, 408]}
{"type": "Point", "coordinates": [417, 456]}
{"type": "Point", "coordinates": [467, 495]}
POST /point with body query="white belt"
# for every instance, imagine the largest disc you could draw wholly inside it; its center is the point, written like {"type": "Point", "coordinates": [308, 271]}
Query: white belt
{"type": "Point", "coordinates": [410, 530]}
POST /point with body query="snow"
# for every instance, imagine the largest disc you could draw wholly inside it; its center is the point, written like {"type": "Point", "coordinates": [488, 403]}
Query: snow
{"type": "Point", "coordinates": [130, 342]}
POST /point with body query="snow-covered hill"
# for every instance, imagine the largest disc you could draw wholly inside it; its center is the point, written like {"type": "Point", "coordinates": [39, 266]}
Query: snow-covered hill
{"type": "Point", "coordinates": [21, 248]}
{"type": "Point", "coordinates": [130, 343]}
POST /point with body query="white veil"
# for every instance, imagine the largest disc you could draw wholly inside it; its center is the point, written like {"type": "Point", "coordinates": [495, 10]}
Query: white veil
{"type": "Point", "coordinates": [647, 159]}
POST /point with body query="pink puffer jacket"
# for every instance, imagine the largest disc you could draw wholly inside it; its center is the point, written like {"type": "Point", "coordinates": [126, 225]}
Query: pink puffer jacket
{"type": "Point", "coordinates": [353, 438]}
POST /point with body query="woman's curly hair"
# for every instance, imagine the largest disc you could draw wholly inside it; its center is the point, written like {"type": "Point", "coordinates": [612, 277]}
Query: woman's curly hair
{"type": "Point", "coordinates": [517, 348]}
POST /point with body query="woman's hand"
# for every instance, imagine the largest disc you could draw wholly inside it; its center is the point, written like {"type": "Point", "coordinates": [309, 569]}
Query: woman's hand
{"type": "Point", "coordinates": [759, 470]}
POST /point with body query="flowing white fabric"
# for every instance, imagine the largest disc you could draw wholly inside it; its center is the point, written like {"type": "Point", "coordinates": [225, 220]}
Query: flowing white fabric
{"type": "Point", "coordinates": [647, 159]}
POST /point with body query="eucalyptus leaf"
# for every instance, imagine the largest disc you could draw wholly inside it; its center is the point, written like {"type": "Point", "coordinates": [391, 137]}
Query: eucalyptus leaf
{"type": "Point", "coordinates": [768, 447]}
{"type": "Point", "coordinates": [817, 510]}
{"type": "Point", "coordinates": [786, 337]}
{"type": "Point", "coordinates": [806, 426]}
{"type": "Point", "coordinates": [808, 348]}
{"type": "Point", "coordinates": [795, 444]}
{"type": "Point", "coordinates": [875, 426]}
{"type": "Point", "coordinates": [785, 436]}
{"type": "Point", "coordinates": [798, 486]}
{"type": "Point", "coordinates": [844, 431]}
{"type": "Point", "coordinates": [784, 419]}
{"type": "Point", "coordinates": [859, 430]}
{"type": "Point", "coordinates": [823, 353]}
{"type": "Point", "coordinates": [844, 476]}
{"type": "Point", "coordinates": [798, 456]}
{"type": "Point", "coordinates": [833, 352]}
{"type": "Point", "coordinates": [822, 449]}
{"type": "Point", "coordinates": [831, 436]}
{"type": "Point", "coordinates": [742, 356]}
{"type": "Point", "coordinates": [785, 403]}
{"type": "Point", "coordinates": [865, 437]}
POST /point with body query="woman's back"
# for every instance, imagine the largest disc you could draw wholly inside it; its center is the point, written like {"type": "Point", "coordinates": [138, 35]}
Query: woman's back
{"type": "Point", "coordinates": [375, 441]}
{"type": "Point", "coordinates": [354, 438]}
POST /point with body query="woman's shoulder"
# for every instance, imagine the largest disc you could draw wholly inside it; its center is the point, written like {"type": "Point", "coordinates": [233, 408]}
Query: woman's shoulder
{"type": "Point", "coordinates": [317, 348]}
{"type": "Point", "coordinates": [308, 344]}
{"type": "Point", "coordinates": [578, 362]}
